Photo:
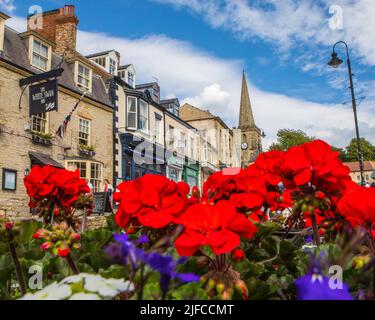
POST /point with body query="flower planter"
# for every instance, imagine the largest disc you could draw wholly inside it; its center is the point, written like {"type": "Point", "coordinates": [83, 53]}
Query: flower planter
{"type": "Point", "coordinates": [41, 141]}
{"type": "Point", "coordinates": [87, 153]}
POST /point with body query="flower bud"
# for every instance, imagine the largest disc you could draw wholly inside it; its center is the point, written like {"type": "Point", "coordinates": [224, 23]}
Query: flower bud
{"type": "Point", "coordinates": [238, 255]}
{"type": "Point", "coordinates": [220, 287]}
{"type": "Point", "coordinates": [9, 225]}
{"type": "Point", "coordinates": [76, 236]}
{"type": "Point", "coordinates": [46, 245]}
{"type": "Point", "coordinates": [63, 252]}
{"type": "Point", "coordinates": [319, 195]}
{"type": "Point", "coordinates": [241, 286]}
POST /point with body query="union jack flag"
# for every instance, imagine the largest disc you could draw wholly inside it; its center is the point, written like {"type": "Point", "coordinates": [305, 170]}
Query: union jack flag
{"type": "Point", "coordinates": [61, 131]}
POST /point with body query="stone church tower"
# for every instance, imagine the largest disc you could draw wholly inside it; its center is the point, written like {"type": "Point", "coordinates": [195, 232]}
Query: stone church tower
{"type": "Point", "coordinates": [251, 135]}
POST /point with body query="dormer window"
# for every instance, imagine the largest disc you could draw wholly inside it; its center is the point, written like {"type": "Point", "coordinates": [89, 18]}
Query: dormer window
{"type": "Point", "coordinates": [40, 55]}
{"type": "Point", "coordinates": [83, 77]}
{"type": "Point", "coordinates": [112, 66]}
{"type": "Point", "coordinates": [130, 79]}
{"type": "Point", "coordinates": [121, 74]}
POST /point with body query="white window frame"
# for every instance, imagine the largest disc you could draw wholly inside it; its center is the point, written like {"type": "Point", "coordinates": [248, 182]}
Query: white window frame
{"type": "Point", "coordinates": [96, 182]}
{"type": "Point", "coordinates": [158, 130]}
{"type": "Point", "coordinates": [83, 76]}
{"type": "Point", "coordinates": [39, 118]}
{"type": "Point", "coordinates": [182, 143]}
{"type": "Point", "coordinates": [133, 112]}
{"type": "Point", "coordinates": [131, 79]}
{"type": "Point", "coordinates": [88, 121]}
{"type": "Point", "coordinates": [112, 64]}
{"type": "Point", "coordinates": [192, 148]}
{"type": "Point", "coordinates": [171, 137]}
{"type": "Point", "coordinates": [145, 116]}
{"type": "Point", "coordinates": [39, 55]}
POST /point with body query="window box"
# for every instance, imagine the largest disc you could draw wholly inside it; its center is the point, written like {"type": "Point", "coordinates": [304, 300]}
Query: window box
{"type": "Point", "coordinates": [87, 151]}
{"type": "Point", "coordinates": [43, 139]}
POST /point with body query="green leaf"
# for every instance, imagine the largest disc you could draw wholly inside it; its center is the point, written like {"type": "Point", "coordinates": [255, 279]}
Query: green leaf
{"type": "Point", "coordinates": [190, 291]}
{"type": "Point", "coordinates": [27, 230]}
{"type": "Point", "coordinates": [116, 272]}
{"type": "Point", "coordinates": [112, 225]}
{"type": "Point", "coordinates": [258, 289]}
{"type": "Point", "coordinates": [151, 291]}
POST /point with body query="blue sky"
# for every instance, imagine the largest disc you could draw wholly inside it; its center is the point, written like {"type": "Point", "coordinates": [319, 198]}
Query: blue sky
{"type": "Point", "coordinates": [197, 50]}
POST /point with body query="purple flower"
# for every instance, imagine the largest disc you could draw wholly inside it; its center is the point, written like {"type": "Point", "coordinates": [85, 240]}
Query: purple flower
{"type": "Point", "coordinates": [163, 264]}
{"type": "Point", "coordinates": [166, 266]}
{"type": "Point", "coordinates": [143, 239]}
{"type": "Point", "coordinates": [129, 251]}
{"type": "Point", "coordinates": [316, 287]}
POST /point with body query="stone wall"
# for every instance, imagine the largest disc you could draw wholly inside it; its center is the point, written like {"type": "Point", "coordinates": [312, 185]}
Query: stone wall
{"type": "Point", "coordinates": [15, 138]}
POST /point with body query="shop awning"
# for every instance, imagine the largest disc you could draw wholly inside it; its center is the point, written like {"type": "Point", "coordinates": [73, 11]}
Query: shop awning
{"type": "Point", "coordinates": [44, 160]}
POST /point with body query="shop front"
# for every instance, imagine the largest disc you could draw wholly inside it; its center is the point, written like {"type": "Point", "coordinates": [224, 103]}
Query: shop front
{"type": "Point", "coordinates": [140, 157]}
{"type": "Point", "coordinates": [207, 169]}
{"type": "Point", "coordinates": [190, 174]}
{"type": "Point", "coordinates": [175, 166]}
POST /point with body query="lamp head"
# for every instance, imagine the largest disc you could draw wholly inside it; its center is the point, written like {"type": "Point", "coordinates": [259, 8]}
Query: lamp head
{"type": "Point", "coordinates": [335, 61]}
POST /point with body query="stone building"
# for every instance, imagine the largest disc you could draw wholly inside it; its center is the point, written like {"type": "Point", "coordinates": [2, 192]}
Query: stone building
{"type": "Point", "coordinates": [251, 135]}
{"type": "Point", "coordinates": [27, 141]}
{"type": "Point", "coordinates": [151, 138]}
{"type": "Point", "coordinates": [215, 140]}
{"type": "Point", "coordinates": [355, 173]}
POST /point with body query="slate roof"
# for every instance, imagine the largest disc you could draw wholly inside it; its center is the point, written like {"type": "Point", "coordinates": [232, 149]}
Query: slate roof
{"type": "Point", "coordinates": [16, 53]}
{"type": "Point", "coordinates": [44, 160]}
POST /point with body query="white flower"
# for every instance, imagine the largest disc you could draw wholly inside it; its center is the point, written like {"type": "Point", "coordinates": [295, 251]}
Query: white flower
{"type": "Point", "coordinates": [108, 288]}
{"type": "Point", "coordinates": [52, 292]}
{"type": "Point", "coordinates": [85, 296]}
{"type": "Point", "coordinates": [95, 287]}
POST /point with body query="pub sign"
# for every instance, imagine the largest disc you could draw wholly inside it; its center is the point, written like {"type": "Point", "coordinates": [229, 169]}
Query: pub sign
{"type": "Point", "coordinates": [43, 97]}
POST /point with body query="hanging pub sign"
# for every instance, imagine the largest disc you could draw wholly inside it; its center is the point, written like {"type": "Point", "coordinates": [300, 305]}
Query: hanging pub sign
{"type": "Point", "coordinates": [43, 91]}
{"type": "Point", "coordinates": [43, 97]}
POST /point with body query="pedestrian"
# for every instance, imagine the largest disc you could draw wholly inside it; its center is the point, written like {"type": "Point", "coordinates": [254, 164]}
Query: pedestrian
{"type": "Point", "coordinates": [109, 190]}
{"type": "Point", "coordinates": [108, 187]}
{"type": "Point", "coordinates": [89, 184]}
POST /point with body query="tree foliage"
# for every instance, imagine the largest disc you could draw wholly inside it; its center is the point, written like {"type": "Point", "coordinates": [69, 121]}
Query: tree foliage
{"type": "Point", "coordinates": [287, 138]}
{"type": "Point", "coordinates": [368, 150]}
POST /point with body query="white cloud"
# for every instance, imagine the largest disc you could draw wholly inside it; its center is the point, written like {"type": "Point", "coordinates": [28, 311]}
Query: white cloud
{"type": "Point", "coordinates": [213, 83]}
{"type": "Point", "coordinates": [291, 23]}
{"type": "Point", "coordinates": [7, 5]}
{"type": "Point", "coordinates": [17, 23]}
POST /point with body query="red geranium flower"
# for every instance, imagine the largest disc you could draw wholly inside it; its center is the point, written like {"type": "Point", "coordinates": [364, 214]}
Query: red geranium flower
{"type": "Point", "coordinates": [153, 200]}
{"type": "Point", "coordinates": [54, 189]}
{"type": "Point", "coordinates": [238, 255]}
{"type": "Point", "coordinates": [63, 252]}
{"type": "Point", "coordinates": [218, 226]}
{"type": "Point", "coordinates": [358, 206]}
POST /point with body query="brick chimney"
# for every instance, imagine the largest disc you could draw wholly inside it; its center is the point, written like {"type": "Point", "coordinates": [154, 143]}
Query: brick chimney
{"type": "Point", "coordinates": [60, 26]}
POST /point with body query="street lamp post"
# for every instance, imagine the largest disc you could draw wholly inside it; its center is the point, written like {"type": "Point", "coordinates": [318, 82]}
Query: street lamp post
{"type": "Point", "coordinates": [335, 63]}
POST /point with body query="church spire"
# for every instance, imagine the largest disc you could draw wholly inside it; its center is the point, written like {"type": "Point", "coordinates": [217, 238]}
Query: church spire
{"type": "Point", "coordinates": [246, 112]}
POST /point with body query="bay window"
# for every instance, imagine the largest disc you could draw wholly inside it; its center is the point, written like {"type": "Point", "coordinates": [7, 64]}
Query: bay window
{"type": "Point", "coordinates": [143, 116]}
{"type": "Point", "coordinates": [93, 171]}
{"type": "Point", "coordinates": [132, 113]}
